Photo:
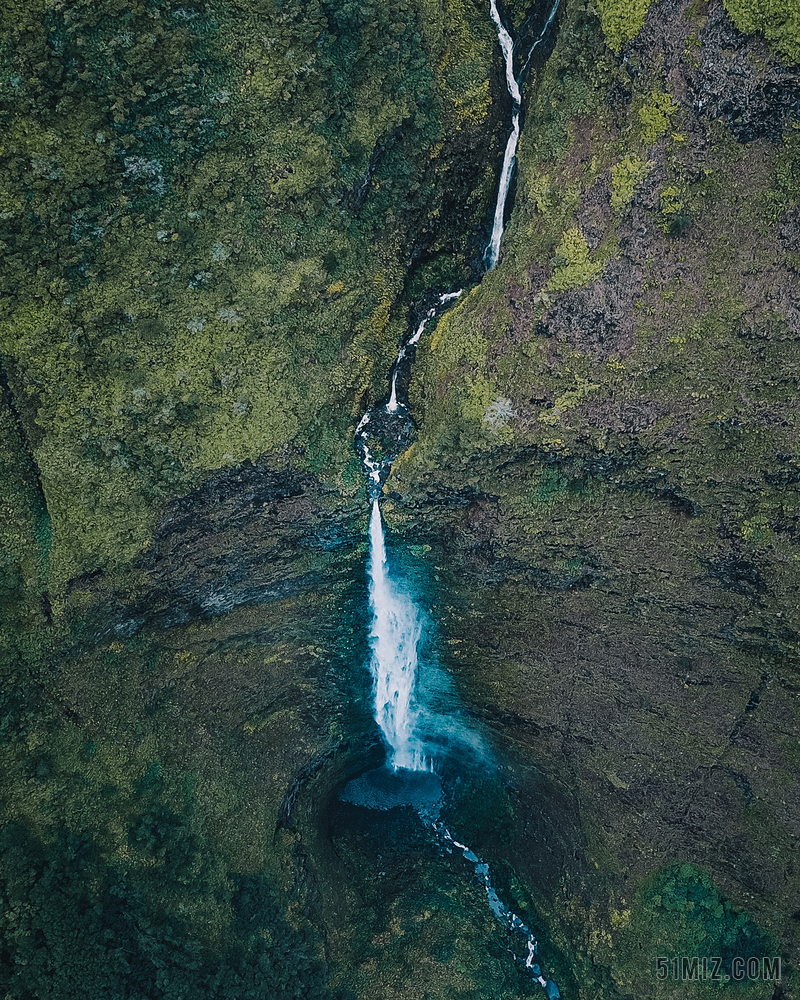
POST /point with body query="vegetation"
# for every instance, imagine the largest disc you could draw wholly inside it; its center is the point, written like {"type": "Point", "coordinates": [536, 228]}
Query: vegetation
{"type": "Point", "coordinates": [655, 115]}
{"type": "Point", "coordinates": [206, 216]}
{"type": "Point", "coordinates": [626, 176]}
{"type": "Point", "coordinates": [572, 264]}
{"type": "Point", "coordinates": [78, 926]}
{"type": "Point", "coordinates": [777, 20]}
{"type": "Point", "coordinates": [679, 911]}
{"type": "Point", "coordinates": [622, 20]}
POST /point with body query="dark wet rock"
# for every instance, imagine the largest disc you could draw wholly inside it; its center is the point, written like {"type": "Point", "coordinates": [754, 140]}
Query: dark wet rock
{"type": "Point", "coordinates": [789, 229]}
{"type": "Point", "coordinates": [448, 497]}
{"type": "Point", "coordinates": [224, 500]}
{"type": "Point", "coordinates": [626, 416]}
{"type": "Point", "coordinates": [299, 782]}
{"type": "Point", "coordinates": [754, 104]}
{"type": "Point", "coordinates": [386, 434]}
{"type": "Point", "coordinates": [738, 574]}
{"type": "Point", "coordinates": [597, 319]}
{"type": "Point", "coordinates": [237, 541]}
{"type": "Point", "coordinates": [594, 214]}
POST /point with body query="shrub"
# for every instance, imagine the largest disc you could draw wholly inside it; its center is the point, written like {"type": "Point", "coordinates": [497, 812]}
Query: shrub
{"type": "Point", "coordinates": [654, 117]}
{"type": "Point", "coordinates": [573, 263]}
{"type": "Point", "coordinates": [626, 176]}
{"type": "Point", "coordinates": [777, 20]}
{"type": "Point", "coordinates": [622, 20]}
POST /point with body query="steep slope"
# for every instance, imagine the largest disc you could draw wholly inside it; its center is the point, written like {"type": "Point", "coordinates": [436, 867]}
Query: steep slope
{"type": "Point", "coordinates": [217, 217]}
{"type": "Point", "coordinates": [606, 476]}
{"type": "Point", "coordinates": [208, 214]}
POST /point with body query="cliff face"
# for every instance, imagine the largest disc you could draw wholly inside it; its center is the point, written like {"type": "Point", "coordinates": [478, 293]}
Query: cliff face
{"type": "Point", "coordinates": [211, 248]}
{"type": "Point", "coordinates": [618, 399]}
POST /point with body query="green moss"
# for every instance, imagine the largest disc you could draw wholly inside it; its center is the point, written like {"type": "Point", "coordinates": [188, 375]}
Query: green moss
{"type": "Point", "coordinates": [573, 263]}
{"type": "Point", "coordinates": [655, 116]}
{"type": "Point", "coordinates": [674, 216]}
{"type": "Point", "coordinates": [626, 176]}
{"type": "Point", "coordinates": [569, 400]}
{"type": "Point", "coordinates": [203, 241]}
{"type": "Point", "coordinates": [777, 20]}
{"type": "Point", "coordinates": [622, 20]}
{"type": "Point", "coordinates": [680, 912]}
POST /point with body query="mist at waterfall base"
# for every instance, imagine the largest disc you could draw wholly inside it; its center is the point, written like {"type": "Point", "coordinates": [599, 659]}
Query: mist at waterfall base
{"type": "Point", "coordinates": [415, 704]}
{"type": "Point", "coordinates": [429, 747]}
{"type": "Point", "coordinates": [411, 693]}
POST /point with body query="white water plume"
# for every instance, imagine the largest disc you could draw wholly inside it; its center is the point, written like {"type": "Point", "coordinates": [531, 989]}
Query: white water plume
{"type": "Point", "coordinates": [507, 46]}
{"type": "Point", "coordinates": [509, 157]}
{"type": "Point", "coordinates": [415, 702]}
{"type": "Point", "coordinates": [510, 154]}
{"type": "Point", "coordinates": [395, 637]}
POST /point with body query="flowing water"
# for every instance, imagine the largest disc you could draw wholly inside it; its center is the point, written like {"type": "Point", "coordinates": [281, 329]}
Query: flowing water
{"type": "Point", "coordinates": [408, 725]}
{"type": "Point", "coordinates": [500, 910]}
{"type": "Point", "coordinates": [395, 637]}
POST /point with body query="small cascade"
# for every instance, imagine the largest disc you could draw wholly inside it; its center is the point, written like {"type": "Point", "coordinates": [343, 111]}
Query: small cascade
{"type": "Point", "coordinates": [404, 358]}
{"type": "Point", "coordinates": [510, 154]}
{"type": "Point", "coordinates": [385, 431]}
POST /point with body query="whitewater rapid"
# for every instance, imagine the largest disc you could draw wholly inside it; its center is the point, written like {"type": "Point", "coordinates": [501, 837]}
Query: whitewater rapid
{"type": "Point", "coordinates": [511, 920]}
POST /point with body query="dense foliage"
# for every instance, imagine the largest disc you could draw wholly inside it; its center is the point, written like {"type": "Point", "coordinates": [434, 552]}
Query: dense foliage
{"type": "Point", "coordinates": [207, 213]}
{"type": "Point", "coordinates": [622, 20]}
{"type": "Point", "coordinates": [777, 20]}
{"type": "Point", "coordinates": [74, 925]}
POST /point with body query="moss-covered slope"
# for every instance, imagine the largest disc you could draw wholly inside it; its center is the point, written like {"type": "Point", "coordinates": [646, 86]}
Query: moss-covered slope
{"type": "Point", "coordinates": [208, 213]}
{"type": "Point", "coordinates": [215, 218]}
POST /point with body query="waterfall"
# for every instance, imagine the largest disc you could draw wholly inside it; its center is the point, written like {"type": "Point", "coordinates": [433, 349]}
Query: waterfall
{"type": "Point", "coordinates": [413, 340]}
{"type": "Point", "coordinates": [395, 636]}
{"type": "Point", "coordinates": [510, 154]}
{"type": "Point", "coordinates": [509, 157]}
{"type": "Point", "coordinates": [507, 46]}
{"type": "Point", "coordinates": [382, 434]}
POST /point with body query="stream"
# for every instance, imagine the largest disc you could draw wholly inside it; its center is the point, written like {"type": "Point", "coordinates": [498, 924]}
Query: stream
{"type": "Point", "coordinates": [414, 730]}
